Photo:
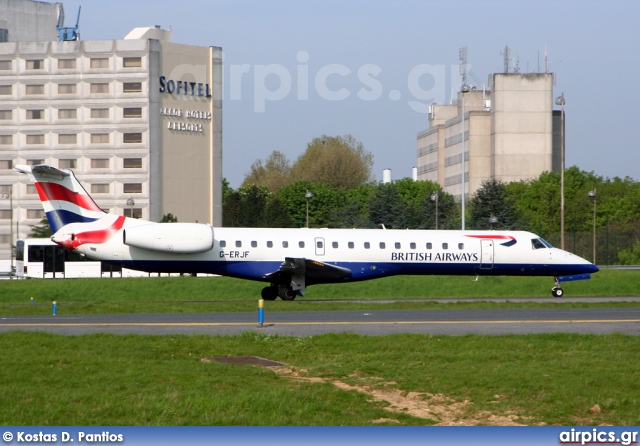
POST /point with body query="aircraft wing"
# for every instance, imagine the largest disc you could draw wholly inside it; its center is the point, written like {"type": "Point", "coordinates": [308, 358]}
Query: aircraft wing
{"type": "Point", "coordinates": [312, 270]}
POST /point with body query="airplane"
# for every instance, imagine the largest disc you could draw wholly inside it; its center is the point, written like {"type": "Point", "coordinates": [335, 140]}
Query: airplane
{"type": "Point", "coordinates": [290, 260]}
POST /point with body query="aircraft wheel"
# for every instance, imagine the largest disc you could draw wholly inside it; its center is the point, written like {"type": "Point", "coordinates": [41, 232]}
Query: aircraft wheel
{"type": "Point", "coordinates": [269, 293]}
{"type": "Point", "coordinates": [557, 292]}
{"type": "Point", "coordinates": [287, 293]}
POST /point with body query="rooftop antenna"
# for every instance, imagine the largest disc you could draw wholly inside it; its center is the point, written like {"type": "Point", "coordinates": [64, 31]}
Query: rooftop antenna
{"type": "Point", "coordinates": [68, 33]}
{"type": "Point", "coordinates": [462, 53]}
{"type": "Point", "coordinates": [507, 57]}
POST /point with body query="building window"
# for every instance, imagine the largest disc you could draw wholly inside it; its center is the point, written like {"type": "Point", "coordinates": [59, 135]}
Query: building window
{"type": "Point", "coordinates": [36, 64]}
{"type": "Point", "coordinates": [31, 189]}
{"type": "Point", "coordinates": [6, 139]}
{"type": "Point", "coordinates": [5, 65]}
{"type": "Point", "coordinates": [101, 62]}
{"type": "Point", "coordinates": [132, 112]}
{"type": "Point", "coordinates": [132, 188]}
{"type": "Point", "coordinates": [65, 64]}
{"type": "Point", "coordinates": [35, 114]}
{"type": "Point", "coordinates": [35, 89]}
{"type": "Point", "coordinates": [34, 162]}
{"type": "Point", "coordinates": [131, 138]}
{"type": "Point", "coordinates": [5, 90]}
{"type": "Point", "coordinates": [99, 88]}
{"type": "Point", "coordinates": [99, 113]}
{"type": "Point", "coordinates": [99, 163]}
{"type": "Point", "coordinates": [68, 138]}
{"type": "Point", "coordinates": [6, 164]}
{"type": "Point", "coordinates": [35, 139]}
{"type": "Point", "coordinates": [100, 138]}
{"type": "Point", "coordinates": [132, 163]}
{"type": "Point", "coordinates": [67, 113]}
{"type": "Point", "coordinates": [137, 212]}
{"type": "Point", "coordinates": [131, 62]}
{"type": "Point", "coordinates": [100, 188]}
{"type": "Point", "coordinates": [35, 214]}
{"type": "Point", "coordinates": [5, 214]}
{"type": "Point", "coordinates": [66, 88]}
{"type": "Point", "coordinates": [132, 87]}
{"type": "Point", "coordinates": [4, 35]}
{"type": "Point", "coordinates": [6, 115]}
{"type": "Point", "coordinates": [68, 164]}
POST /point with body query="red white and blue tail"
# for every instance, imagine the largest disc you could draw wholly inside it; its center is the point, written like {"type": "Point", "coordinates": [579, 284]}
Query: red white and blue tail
{"type": "Point", "coordinates": [64, 199]}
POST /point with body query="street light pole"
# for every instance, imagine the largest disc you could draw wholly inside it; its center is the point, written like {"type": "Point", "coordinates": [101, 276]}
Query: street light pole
{"type": "Point", "coordinates": [10, 197]}
{"type": "Point", "coordinates": [131, 203]}
{"type": "Point", "coordinates": [308, 195]}
{"type": "Point", "coordinates": [560, 101]}
{"type": "Point", "coordinates": [592, 194]}
{"type": "Point", "coordinates": [463, 90]}
{"type": "Point", "coordinates": [434, 197]}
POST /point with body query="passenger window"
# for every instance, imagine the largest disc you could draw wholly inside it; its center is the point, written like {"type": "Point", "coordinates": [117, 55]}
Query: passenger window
{"type": "Point", "coordinates": [445, 246]}
{"type": "Point", "coordinates": [223, 243]}
{"type": "Point", "coordinates": [269, 244]}
{"type": "Point", "coordinates": [254, 244]}
{"type": "Point", "coordinates": [351, 245]}
{"type": "Point", "coordinates": [285, 244]}
{"type": "Point", "coordinates": [537, 244]}
{"type": "Point", "coordinates": [367, 245]}
{"type": "Point", "coordinates": [382, 245]}
{"type": "Point", "coordinates": [238, 244]}
{"type": "Point", "coordinates": [398, 245]}
{"type": "Point", "coordinates": [301, 244]}
{"type": "Point", "coordinates": [412, 245]}
{"type": "Point", "coordinates": [334, 245]}
{"type": "Point", "coordinates": [319, 244]}
{"type": "Point", "coordinates": [429, 246]}
{"type": "Point", "coordinates": [460, 245]}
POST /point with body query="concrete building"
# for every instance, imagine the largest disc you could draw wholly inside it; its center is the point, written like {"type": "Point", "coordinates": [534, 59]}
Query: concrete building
{"type": "Point", "coordinates": [511, 134]}
{"type": "Point", "coordinates": [138, 120]}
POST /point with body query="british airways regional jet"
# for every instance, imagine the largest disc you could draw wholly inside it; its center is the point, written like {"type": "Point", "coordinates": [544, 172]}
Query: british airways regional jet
{"type": "Point", "coordinates": [290, 260]}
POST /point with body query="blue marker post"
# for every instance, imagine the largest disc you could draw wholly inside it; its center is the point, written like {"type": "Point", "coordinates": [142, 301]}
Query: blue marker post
{"type": "Point", "coordinates": [260, 313]}
{"type": "Point", "coordinates": [55, 307]}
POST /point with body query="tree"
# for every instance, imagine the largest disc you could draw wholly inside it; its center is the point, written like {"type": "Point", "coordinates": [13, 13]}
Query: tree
{"type": "Point", "coordinates": [492, 200]}
{"type": "Point", "coordinates": [339, 161]}
{"type": "Point", "coordinates": [274, 174]}
{"type": "Point", "coordinates": [169, 218]}
{"type": "Point", "coordinates": [42, 230]}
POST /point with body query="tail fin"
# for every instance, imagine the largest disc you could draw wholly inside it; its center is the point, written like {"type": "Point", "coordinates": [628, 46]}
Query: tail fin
{"type": "Point", "coordinates": [64, 199]}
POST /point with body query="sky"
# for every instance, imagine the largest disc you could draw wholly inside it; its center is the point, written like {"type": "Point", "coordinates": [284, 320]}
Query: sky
{"type": "Point", "coordinates": [295, 70]}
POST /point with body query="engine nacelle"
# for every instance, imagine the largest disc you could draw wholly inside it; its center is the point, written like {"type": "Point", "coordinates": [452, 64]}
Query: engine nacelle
{"type": "Point", "coordinates": [179, 238]}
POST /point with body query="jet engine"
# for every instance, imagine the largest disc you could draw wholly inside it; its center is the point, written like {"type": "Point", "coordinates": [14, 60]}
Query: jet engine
{"type": "Point", "coordinates": [179, 238]}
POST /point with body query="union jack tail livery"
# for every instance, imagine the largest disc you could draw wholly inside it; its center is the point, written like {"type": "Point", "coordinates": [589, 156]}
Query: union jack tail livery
{"type": "Point", "coordinates": [64, 199]}
{"type": "Point", "coordinates": [289, 260]}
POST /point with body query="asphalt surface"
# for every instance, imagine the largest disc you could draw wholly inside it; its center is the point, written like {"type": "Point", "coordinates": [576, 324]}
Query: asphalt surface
{"type": "Point", "coordinates": [378, 322]}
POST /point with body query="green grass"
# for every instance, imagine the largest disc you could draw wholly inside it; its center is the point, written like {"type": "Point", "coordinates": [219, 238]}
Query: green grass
{"type": "Point", "coordinates": [188, 294]}
{"type": "Point", "coordinates": [105, 379]}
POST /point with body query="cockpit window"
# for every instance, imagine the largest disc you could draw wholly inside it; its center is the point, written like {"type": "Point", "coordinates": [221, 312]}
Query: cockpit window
{"type": "Point", "coordinates": [540, 243]}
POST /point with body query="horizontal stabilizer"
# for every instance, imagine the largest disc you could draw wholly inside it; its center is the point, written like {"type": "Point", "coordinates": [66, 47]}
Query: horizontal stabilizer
{"type": "Point", "coordinates": [573, 278]}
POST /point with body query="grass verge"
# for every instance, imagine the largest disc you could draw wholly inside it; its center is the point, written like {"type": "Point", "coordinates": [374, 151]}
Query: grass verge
{"type": "Point", "coordinates": [334, 379]}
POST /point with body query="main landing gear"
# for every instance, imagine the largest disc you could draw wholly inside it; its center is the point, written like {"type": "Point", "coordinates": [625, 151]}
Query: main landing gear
{"type": "Point", "coordinates": [283, 291]}
{"type": "Point", "coordinates": [557, 291]}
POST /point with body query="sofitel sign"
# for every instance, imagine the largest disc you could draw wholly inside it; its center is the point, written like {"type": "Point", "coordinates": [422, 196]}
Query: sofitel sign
{"type": "Point", "coordinates": [184, 87]}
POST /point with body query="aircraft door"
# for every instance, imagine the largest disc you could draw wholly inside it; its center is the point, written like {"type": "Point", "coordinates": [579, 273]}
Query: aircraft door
{"type": "Point", "coordinates": [486, 254]}
{"type": "Point", "coordinates": [319, 241]}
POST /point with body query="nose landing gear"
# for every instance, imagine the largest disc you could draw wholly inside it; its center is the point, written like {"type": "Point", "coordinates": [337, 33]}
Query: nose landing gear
{"type": "Point", "coordinates": [557, 291]}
